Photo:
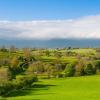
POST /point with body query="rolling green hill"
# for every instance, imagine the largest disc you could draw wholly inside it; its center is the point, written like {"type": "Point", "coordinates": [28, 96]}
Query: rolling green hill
{"type": "Point", "coordinates": [76, 88]}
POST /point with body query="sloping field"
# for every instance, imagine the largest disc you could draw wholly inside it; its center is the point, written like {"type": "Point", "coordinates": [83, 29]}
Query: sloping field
{"type": "Point", "coordinates": [77, 88]}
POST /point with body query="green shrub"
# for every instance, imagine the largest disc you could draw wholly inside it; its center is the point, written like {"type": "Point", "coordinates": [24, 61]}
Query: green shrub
{"type": "Point", "coordinates": [5, 74]}
{"type": "Point", "coordinates": [79, 69]}
{"type": "Point", "coordinates": [21, 82]}
{"type": "Point", "coordinates": [59, 75]}
{"type": "Point", "coordinates": [97, 67]}
{"type": "Point", "coordinates": [24, 81]}
{"type": "Point", "coordinates": [5, 87]}
{"type": "Point", "coordinates": [89, 70]}
{"type": "Point", "coordinates": [69, 70]}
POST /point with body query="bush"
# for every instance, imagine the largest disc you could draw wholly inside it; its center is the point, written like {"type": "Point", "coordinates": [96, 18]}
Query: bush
{"type": "Point", "coordinates": [97, 67]}
{"type": "Point", "coordinates": [79, 68]}
{"type": "Point", "coordinates": [24, 81]}
{"type": "Point", "coordinates": [89, 70]}
{"type": "Point", "coordinates": [69, 70]}
{"type": "Point", "coordinates": [5, 87]}
{"type": "Point", "coordinates": [57, 74]}
{"type": "Point", "coordinates": [5, 74]}
{"type": "Point", "coordinates": [21, 82]}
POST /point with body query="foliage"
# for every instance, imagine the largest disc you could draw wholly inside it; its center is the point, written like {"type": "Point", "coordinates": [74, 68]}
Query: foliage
{"type": "Point", "coordinates": [89, 70]}
{"type": "Point", "coordinates": [76, 88]}
{"type": "Point", "coordinates": [79, 68]}
{"type": "Point", "coordinates": [19, 68]}
{"type": "Point", "coordinates": [5, 74]}
{"type": "Point", "coordinates": [69, 70]}
{"type": "Point", "coordinates": [21, 82]}
{"type": "Point", "coordinates": [97, 67]}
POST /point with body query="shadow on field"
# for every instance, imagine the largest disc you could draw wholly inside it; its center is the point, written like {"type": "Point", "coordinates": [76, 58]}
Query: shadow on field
{"type": "Point", "coordinates": [41, 86]}
{"type": "Point", "coordinates": [32, 90]}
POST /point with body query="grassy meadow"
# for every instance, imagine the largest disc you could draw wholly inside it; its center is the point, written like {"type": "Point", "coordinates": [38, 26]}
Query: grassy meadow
{"type": "Point", "coordinates": [50, 74]}
{"type": "Point", "coordinates": [76, 88]}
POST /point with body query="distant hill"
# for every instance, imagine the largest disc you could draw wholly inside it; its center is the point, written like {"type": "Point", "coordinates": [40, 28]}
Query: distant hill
{"type": "Point", "coordinates": [53, 43]}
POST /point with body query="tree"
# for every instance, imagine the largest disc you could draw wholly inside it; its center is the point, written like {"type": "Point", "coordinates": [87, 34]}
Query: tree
{"type": "Point", "coordinates": [14, 66]}
{"type": "Point", "coordinates": [69, 70]}
{"type": "Point", "coordinates": [3, 49]}
{"type": "Point", "coordinates": [58, 64]}
{"type": "Point", "coordinates": [97, 67]}
{"type": "Point", "coordinates": [57, 54]}
{"type": "Point", "coordinates": [31, 69]}
{"type": "Point", "coordinates": [69, 48]}
{"type": "Point", "coordinates": [14, 62]}
{"type": "Point", "coordinates": [53, 72]}
{"type": "Point", "coordinates": [37, 67]}
{"type": "Point", "coordinates": [49, 69]}
{"type": "Point", "coordinates": [47, 52]}
{"type": "Point", "coordinates": [5, 74]}
{"type": "Point", "coordinates": [5, 62]}
{"type": "Point", "coordinates": [28, 57]}
{"type": "Point", "coordinates": [27, 53]}
{"type": "Point", "coordinates": [79, 68]}
{"type": "Point", "coordinates": [89, 69]}
{"type": "Point", "coordinates": [12, 49]}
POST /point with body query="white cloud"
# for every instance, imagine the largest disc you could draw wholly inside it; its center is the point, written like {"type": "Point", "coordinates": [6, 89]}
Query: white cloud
{"type": "Point", "coordinates": [85, 27]}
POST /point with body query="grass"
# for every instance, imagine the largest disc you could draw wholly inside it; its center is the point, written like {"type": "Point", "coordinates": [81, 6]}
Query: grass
{"type": "Point", "coordinates": [51, 59]}
{"type": "Point", "coordinates": [84, 51]}
{"type": "Point", "coordinates": [76, 88]}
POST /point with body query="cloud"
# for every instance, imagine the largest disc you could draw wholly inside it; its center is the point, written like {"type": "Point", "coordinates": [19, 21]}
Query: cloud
{"type": "Point", "coordinates": [84, 27]}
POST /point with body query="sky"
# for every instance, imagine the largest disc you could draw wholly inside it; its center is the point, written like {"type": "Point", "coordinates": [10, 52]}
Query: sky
{"type": "Point", "coordinates": [47, 9]}
{"type": "Point", "coordinates": [49, 19]}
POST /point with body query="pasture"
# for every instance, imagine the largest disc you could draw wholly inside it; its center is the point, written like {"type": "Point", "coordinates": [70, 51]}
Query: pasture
{"type": "Point", "coordinates": [75, 88]}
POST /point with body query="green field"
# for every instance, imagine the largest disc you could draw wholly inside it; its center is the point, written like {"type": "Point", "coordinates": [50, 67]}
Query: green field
{"type": "Point", "coordinates": [76, 88]}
